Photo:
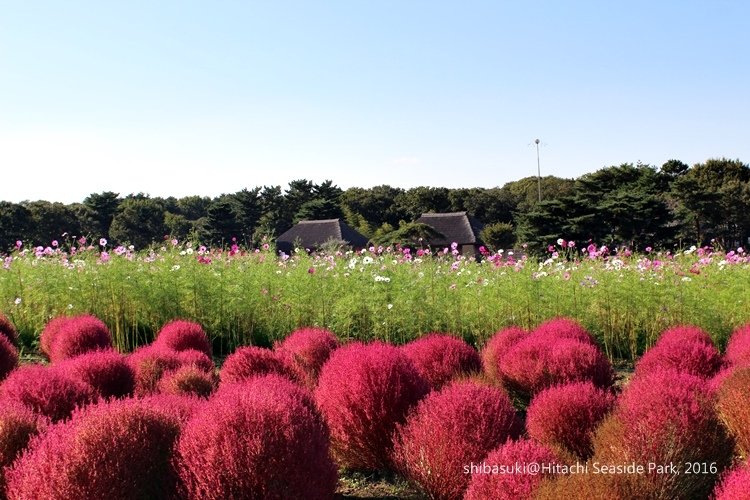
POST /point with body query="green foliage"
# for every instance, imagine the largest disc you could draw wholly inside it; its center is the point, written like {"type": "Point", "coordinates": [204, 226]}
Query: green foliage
{"type": "Point", "coordinates": [139, 221]}
{"type": "Point", "coordinates": [498, 235]}
{"type": "Point", "coordinates": [411, 234]}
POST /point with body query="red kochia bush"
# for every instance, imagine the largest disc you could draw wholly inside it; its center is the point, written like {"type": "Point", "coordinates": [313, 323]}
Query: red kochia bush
{"type": "Point", "coordinates": [181, 407]}
{"type": "Point", "coordinates": [565, 416]}
{"type": "Point", "coordinates": [47, 390]}
{"type": "Point", "coordinates": [18, 425]}
{"type": "Point", "coordinates": [514, 486]}
{"type": "Point", "coordinates": [738, 348]}
{"type": "Point", "coordinates": [685, 334]}
{"type": "Point", "coordinates": [116, 450]}
{"type": "Point", "coordinates": [181, 335]}
{"type": "Point", "coordinates": [734, 485]}
{"type": "Point", "coordinates": [7, 330]}
{"type": "Point", "coordinates": [308, 349]}
{"type": "Point", "coordinates": [78, 335]}
{"type": "Point", "coordinates": [108, 372]}
{"type": "Point", "coordinates": [694, 357]}
{"type": "Point", "coordinates": [734, 407]}
{"type": "Point", "coordinates": [263, 439]}
{"type": "Point", "coordinates": [191, 357]}
{"type": "Point", "coordinates": [449, 429]}
{"type": "Point", "coordinates": [497, 346]}
{"type": "Point", "coordinates": [187, 380]}
{"type": "Point", "coordinates": [8, 357]}
{"type": "Point", "coordinates": [440, 357]}
{"type": "Point", "coordinates": [563, 328]}
{"type": "Point", "coordinates": [149, 363]}
{"type": "Point", "coordinates": [248, 362]}
{"type": "Point", "coordinates": [364, 392]}
{"type": "Point", "coordinates": [538, 362]}
{"type": "Point", "coordinates": [49, 334]}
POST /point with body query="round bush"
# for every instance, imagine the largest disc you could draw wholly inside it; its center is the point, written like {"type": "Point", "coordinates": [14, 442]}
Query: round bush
{"type": "Point", "coordinates": [7, 330]}
{"type": "Point", "coordinates": [517, 486]}
{"type": "Point", "coordinates": [18, 425]}
{"type": "Point", "coordinates": [563, 328]}
{"type": "Point", "coordinates": [364, 392]}
{"type": "Point", "coordinates": [734, 485]}
{"type": "Point", "coordinates": [696, 358]}
{"type": "Point", "coordinates": [187, 380]}
{"type": "Point", "coordinates": [685, 334]}
{"type": "Point", "coordinates": [592, 486]}
{"type": "Point", "coordinates": [47, 391]}
{"type": "Point", "coordinates": [540, 362]}
{"type": "Point", "coordinates": [496, 348]}
{"type": "Point", "coordinates": [8, 357]}
{"type": "Point", "coordinates": [108, 372]}
{"type": "Point", "coordinates": [149, 364]}
{"type": "Point", "coordinates": [49, 334]}
{"type": "Point", "coordinates": [116, 450]}
{"type": "Point", "coordinates": [181, 407]}
{"type": "Point", "coordinates": [449, 429]}
{"type": "Point", "coordinates": [191, 357]}
{"type": "Point", "coordinates": [734, 407]}
{"type": "Point", "coordinates": [181, 335]}
{"type": "Point", "coordinates": [79, 335]}
{"type": "Point", "coordinates": [738, 348]}
{"type": "Point", "coordinates": [666, 417]}
{"type": "Point", "coordinates": [248, 362]}
{"type": "Point", "coordinates": [440, 357]}
{"type": "Point", "coordinates": [262, 439]}
{"type": "Point", "coordinates": [308, 349]}
{"type": "Point", "coordinates": [564, 417]}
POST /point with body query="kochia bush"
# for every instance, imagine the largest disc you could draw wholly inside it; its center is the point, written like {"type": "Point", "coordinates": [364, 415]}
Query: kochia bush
{"type": "Point", "coordinates": [694, 357]}
{"type": "Point", "coordinates": [685, 334]}
{"type": "Point", "coordinates": [734, 485]}
{"type": "Point", "coordinates": [364, 392]}
{"type": "Point", "coordinates": [449, 429]}
{"type": "Point", "coordinates": [187, 380]}
{"type": "Point", "coordinates": [149, 364]}
{"type": "Point", "coordinates": [181, 335]}
{"type": "Point", "coordinates": [441, 357]}
{"type": "Point", "coordinates": [8, 330]}
{"type": "Point", "coordinates": [248, 362]}
{"type": "Point", "coordinates": [309, 349]}
{"type": "Point", "coordinates": [108, 372]}
{"type": "Point", "coordinates": [738, 348]}
{"type": "Point", "coordinates": [79, 335]}
{"type": "Point", "coordinates": [564, 417]}
{"type": "Point", "coordinates": [49, 334]}
{"type": "Point", "coordinates": [734, 407]}
{"type": "Point", "coordinates": [191, 357]}
{"type": "Point", "coordinates": [8, 357]}
{"type": "Point", "coordinates": [263, 439]}
{"type": "Point", "coordinates": [497, 346]}
{"type": "Point", "coordinates": [563, 328]}
{"type": "Point", "coordinates": [18, 425]}
{"type": "Point", "coordinates": [116, 450]}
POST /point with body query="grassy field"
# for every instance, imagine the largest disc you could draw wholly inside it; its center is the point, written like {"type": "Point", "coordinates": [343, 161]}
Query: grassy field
{"type": "Point", "coordinates": [251, 296]}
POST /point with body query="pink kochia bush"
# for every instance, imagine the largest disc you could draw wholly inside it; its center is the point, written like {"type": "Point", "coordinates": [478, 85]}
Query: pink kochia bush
{"type": "Point", "coordinates": [8, 357]}
{"type": "Point", "coordinates": [79, 335]}
{"type": "Point", "coordinates": [515, 486]}
{"type": "Point", "coordinates": [441, 357]}
{"type": "Point", "coordinates": [248, 362]}
{"type": "Point", "coordinates": [497, 346]}
{"type": "Point", "coordinates": [734, 485]}
{"type": "Point", "coordinates": [200, 360]}
{"type": "Point", "coordinates": [364, 392]}
{"type": "Point", "coordinates": [449, 429]}
{"type": "Point", "coordinates": [47, 390]}
{"type": "Point", "coordinates": [738, 348]}
{"type": "Point", "coordinates": [149, 364]}
{"type": "Point", "coordinates": [181, 335]}
{"type": "Point", "coordinates": [563, 328]}
{"type": "Point", "coordinates": [564, 417]}
{"type": "Point", "coordinates": [187, 380]}
{"type": "Point", "coordinates": [49, 334]}
{"type": "Point", "coordinates": [308, 349]}
{"type": "Point", "coordinates": [734, 407]}
{"type": "Point", "coordinates": [685, 333]}
{"type": "Point", "coordinates": [258, 439]}
{"type": "Point", "coordinates": [116, 450]}
{"type": "Point", "coordinates": [683, 348]}
{"type": "Point", "coordinates": [181, 407]}
{"type": "Point", "coordinates": [108, 372]}
{"type": "Point", "coordinates": [18, 425]}
{"type": "Point", "coordinates": [7, 330]}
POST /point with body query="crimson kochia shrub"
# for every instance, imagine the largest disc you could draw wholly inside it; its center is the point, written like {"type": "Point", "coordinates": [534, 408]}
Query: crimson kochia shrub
{"type": "Point", "coordinates": [181, 335]}
{"type": "Point", "coordinates": [308, 349]}
{"type": "Point", "coordinates": [441, 357]}
{"type": "Point", "coordinates": [78, 335]}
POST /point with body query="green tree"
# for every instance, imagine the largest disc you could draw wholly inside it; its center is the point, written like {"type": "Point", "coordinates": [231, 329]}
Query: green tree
{"type": "Point", "coordinates": [50, 221]}
{"type": "Point", "coordinates": [498, 235]}
{"type": "Point", "coordinates": [139, 221]}
{"type": "Point", "coordinates": [103, 207]}
{"type": "Point", "coordinates": [16, 224]}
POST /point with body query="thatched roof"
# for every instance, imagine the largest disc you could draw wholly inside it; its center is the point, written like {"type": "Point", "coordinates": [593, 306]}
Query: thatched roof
{"type": "Point", "coordinates": [314, 233]}
{"type": "Point", "coordinates": [454, 226]}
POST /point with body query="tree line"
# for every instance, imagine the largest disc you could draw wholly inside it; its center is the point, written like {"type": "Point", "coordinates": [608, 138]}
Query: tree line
{"type": "Point", "coordinates": [635, 205]}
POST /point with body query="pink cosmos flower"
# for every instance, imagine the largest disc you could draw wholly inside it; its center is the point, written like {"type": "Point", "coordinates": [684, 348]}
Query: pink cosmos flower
{"type": "Point", "coordinates": [103, 242]}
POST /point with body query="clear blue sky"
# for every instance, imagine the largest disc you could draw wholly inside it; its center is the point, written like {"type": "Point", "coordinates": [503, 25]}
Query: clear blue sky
{"type": "Point", "coordinates": [188, 97]}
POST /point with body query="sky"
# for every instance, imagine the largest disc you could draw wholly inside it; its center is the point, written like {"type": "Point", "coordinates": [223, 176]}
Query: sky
{"type": "Point", "coordinates": [176, 98]}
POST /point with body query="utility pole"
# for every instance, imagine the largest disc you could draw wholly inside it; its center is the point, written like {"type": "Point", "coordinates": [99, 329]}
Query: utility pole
{"type": "Point", "coordinates": [538, 171]}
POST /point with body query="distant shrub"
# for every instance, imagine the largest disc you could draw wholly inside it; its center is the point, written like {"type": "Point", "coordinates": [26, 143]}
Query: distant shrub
{"type": "Point", "coordinates": [441, 357]}
{"type": "Point", "coordinates": [364, 392]}
{"type": "Point", "coordinates": [564, 328]}
{"type": "Point", "coordinates": [449, 429]}
{"type": "Point", "coordinates": [497, 346]}
{"type": "Point", "coordinates": [79, 335]}
{"type": "Point", "coordinates": [8, 330]}
{"type": "Point", "coordinates": [734, 485]}
{"type": "Point", "coordinates": [694, 357]}
{"type": "Point", "coordinates": [309, 349]}
{"type": "Point", "coordinates": [200, 360]}
{"type": "Point", "coordinates": [565, 417]}
{"type": "Point", "coordinates": [149, 364]}
{"type": "Point", "coordinates": [520, 486]}
{"type": "Point", "coordinates": [538, 362]}
{"type": "Point", "coordinates": [187, 380]}
{"type": "Point", "coordinates": [108, 372]}
{"type": "Point", "coordinates": [734, 407]}
{"type": "Point", "coordinates": [8, 357]}
{"type": "Point", "coordinates": [18, 425]}
{"type": "Point", "coordinates": [263, 439]}
{"type": "Point", "coordinates": [666, 417]}
{"type": "Point", "coordinates": [738, 348]}
{"type": "Point", "coordinates": [49, 334]}
{"type": "Point", "coordinates": [47, 391]}
{"type": "Point", "coordinates": [181, 335]}
{"type": "Point", "coordinates": [115, 450]}
{"type": "Point", "coordinates": [248, 362]}
{"type": "Point", "coordinates": [685, 334]}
